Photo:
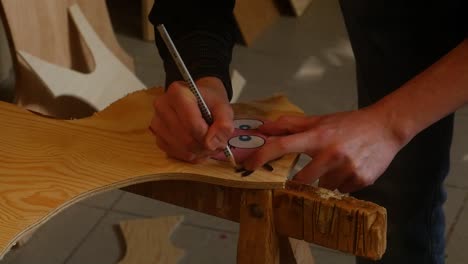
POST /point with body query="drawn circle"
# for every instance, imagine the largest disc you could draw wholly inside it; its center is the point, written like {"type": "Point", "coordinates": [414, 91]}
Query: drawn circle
{"type": "Point", "coordinates": [246, 142]}
{"type": "Point", "coordinates": [246, 124]}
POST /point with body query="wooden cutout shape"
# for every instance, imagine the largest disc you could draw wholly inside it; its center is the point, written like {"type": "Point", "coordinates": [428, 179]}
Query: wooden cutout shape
{"type": "Point", "coordinates": [43, 28]}
{"type": "Point", "coordinates": [148, 241]}
{"type": "Point", "coordinates": [47, 164]}
{"type": "Point", "coordinates": [107, 83]}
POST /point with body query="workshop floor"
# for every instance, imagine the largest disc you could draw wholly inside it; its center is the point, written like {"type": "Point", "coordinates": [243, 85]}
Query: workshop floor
{"type": "Point", "coordinates": [310, 60]}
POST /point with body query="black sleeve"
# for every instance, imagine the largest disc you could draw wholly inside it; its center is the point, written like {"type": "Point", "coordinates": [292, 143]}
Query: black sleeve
{"type": "Point", "coordinates": [203, 32]}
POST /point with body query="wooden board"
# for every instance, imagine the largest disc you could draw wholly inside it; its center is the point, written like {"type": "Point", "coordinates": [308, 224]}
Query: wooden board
{"type": "Point", "coordinates": [109, 81]}
{"type": "Point", "coordinates": [48, 164]}
{"type": "Point", "coordinates": [300, 211]}
{"type": "Point", "coordinates": [146, 26]}
{"type": "Point", "coordinates": [254, 17]}
{"type": "Point", "coordinates": [148, 241]}
{"type": "Point", "coordinates": [44, 29]}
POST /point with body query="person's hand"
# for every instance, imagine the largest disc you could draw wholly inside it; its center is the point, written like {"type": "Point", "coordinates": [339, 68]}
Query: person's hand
{"type": "Point", "coordinates": [179, 127]}
{"type": "Point", "coordinates": [349, 150]}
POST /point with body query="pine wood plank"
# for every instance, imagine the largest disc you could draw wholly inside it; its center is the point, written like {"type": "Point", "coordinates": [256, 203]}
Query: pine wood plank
{"type": "Point", "coordinates": [293, 214]}
{"type": "Point", "coordinates": [49, 164]}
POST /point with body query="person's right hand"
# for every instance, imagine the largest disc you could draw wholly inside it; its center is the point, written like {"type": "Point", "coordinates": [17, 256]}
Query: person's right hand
{"type": "Point", "coordinates": [178, 124]}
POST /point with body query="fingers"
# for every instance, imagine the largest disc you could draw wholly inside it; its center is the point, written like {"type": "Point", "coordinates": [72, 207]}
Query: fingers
{"type": "Point", "coordinates": [222, 128]}
{"type": "Point", "coordinates": [188, 114]}
{"type": "Point", "coordinates": [175, 152]}
{"type": "Point", "coordinates": [180, 128]}
{"type": "Point", "coordinates": [279, 146]}
{"type": "Point", "coordinates": [177, 124]}
{"type": "Point", "coordinates": [319, 166]}
{"type": "Point", "coordinates": [287, 125]}
{"type": "Point", "coordinates": [353, 184]}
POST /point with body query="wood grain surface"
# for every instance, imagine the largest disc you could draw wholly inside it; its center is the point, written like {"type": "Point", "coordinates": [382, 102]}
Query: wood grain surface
{"type": "Point", "coordinates": [49, 164]}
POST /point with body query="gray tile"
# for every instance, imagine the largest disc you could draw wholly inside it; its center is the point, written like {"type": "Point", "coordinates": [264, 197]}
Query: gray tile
{"type": "Point", "coordinates": [456, 248]}
{"type": "Point", "coordinates": [333, 90]}
{"type": "Point", "coordinates": [460, 139]}
{"type": "Point", "coordinates": [326, 256]}
{"type": "Point", "coordinates": [139, 205]}
{"type": "Point", "coordinates": [103, 200]}
{"type": "Point", "coordinates": [458, 176]}
{"type": "Point", "coordinates": [56, 239]}
{"type": "Point", "coordinates": [105, 244]}
{"type": "Point", "coordinates": [452, 207]}
{"type": "Point", "coordinates": [463, 111]}
{"type": "Point", "coordinates": [206, 246]}
{"type": "Point", "coordinates": [320, 26]}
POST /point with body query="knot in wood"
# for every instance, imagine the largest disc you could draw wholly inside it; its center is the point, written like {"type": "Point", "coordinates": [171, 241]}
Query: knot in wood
{"type": "Point", "coordinates": [256, 210]}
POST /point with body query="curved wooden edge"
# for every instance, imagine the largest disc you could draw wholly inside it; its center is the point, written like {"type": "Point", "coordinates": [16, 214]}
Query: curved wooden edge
{"type": "Point", "coordinates": [46, 164]}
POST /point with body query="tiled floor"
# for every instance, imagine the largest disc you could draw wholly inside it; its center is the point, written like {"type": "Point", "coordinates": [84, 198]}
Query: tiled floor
{"type": "Point", "coordinates": [308, 55]}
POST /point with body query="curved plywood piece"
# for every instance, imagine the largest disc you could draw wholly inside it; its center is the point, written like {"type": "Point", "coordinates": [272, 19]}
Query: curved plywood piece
{"type": "Point", "coordinates": [109, 81]}
{"type": "Point", "coordinates": [49, 164]}
{"type": "Point", "coordinates": [148, 241]}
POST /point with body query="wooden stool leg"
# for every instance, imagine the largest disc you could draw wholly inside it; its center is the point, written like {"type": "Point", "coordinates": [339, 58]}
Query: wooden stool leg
{"type": "Point", "coordinates": [258, 241]}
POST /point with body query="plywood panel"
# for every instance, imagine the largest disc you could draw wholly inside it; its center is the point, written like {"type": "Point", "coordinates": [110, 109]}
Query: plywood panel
{"type": "Point", "coordinates": [48, 164]}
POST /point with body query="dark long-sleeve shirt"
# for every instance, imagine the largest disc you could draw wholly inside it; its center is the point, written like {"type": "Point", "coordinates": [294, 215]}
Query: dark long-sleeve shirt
{"type": "Point", "coordinates": [203, 32]}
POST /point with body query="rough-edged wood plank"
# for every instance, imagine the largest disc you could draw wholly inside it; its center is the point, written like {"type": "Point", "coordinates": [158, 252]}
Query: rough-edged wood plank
{"type": "Point", "coordinates": [219, 201]}
{"type": "Point", "coordinates": [344, 223]}
{"type": "Point", "coordinates": [48, 164]}
{"type": "Point", "coordinates": [258, 241]}
{"type": "Point", "coordinates": [289, 214]}
{"type": "Point", "coordinates": [148, 241]}
{"type": "Point", "coordinates": [292, 218]}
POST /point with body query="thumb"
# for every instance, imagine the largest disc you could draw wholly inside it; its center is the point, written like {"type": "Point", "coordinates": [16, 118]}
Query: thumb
{"type": "Point", "coordinates": [222, 128]}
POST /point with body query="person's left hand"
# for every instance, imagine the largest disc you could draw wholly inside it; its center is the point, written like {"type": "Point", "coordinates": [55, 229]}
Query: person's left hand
{"type": "Point", "coordinates": [349, 150]}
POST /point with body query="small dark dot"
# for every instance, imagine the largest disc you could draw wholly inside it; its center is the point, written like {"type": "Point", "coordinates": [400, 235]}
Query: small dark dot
{"type": "Point", "coordinates": [244, 127]}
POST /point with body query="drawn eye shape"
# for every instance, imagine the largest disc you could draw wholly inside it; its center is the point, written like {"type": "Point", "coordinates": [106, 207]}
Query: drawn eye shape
{"type": "Point", "coordinates": [247, 141]}
{"type": "Point", "coordinates": [246, 124]}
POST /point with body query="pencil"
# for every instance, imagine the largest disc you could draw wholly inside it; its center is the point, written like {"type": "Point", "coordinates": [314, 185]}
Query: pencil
{"type": "Point", "coordinates": [206, 114]}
